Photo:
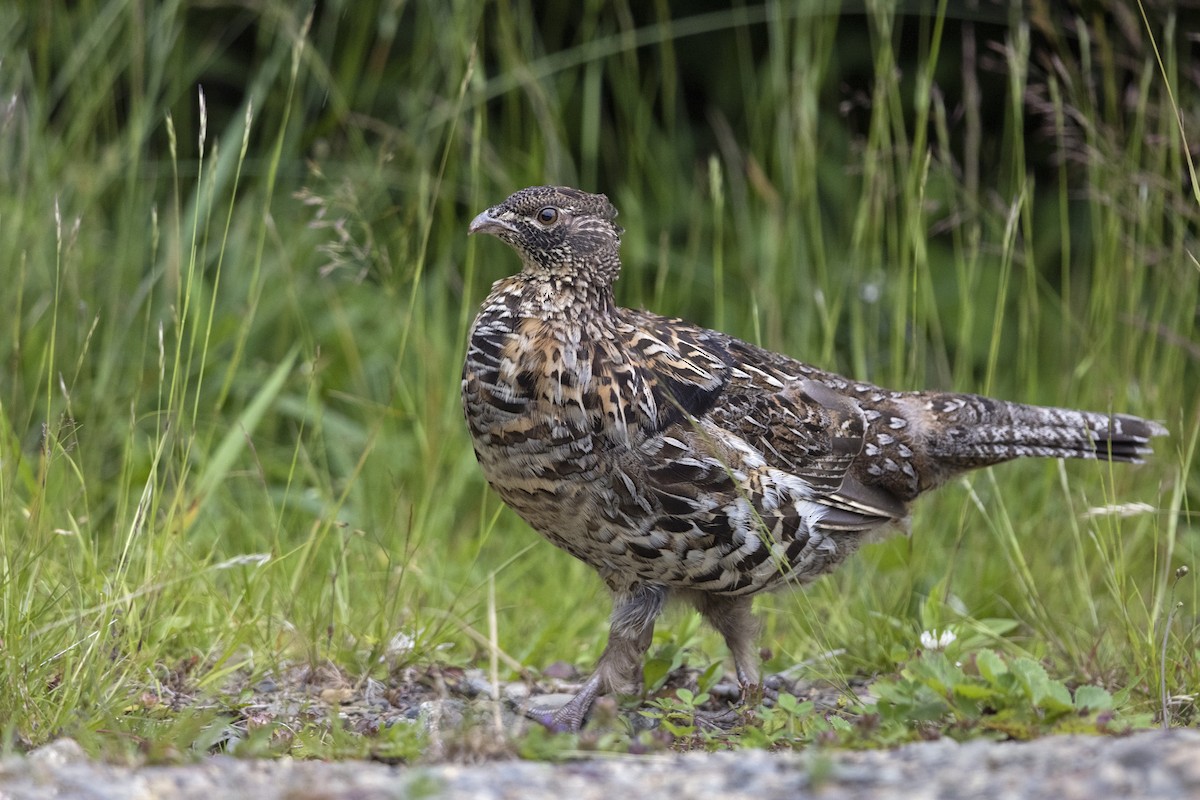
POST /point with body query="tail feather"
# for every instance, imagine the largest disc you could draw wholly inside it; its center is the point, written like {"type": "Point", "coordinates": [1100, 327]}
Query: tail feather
{"type": "Point", "coordinates": [978, 431]}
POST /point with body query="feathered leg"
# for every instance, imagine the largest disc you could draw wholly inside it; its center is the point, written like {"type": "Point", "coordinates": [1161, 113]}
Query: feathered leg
{"type": "Point", "coordinates": [732, 618]}
{"type": "Point", "coordinates": [620, 666]}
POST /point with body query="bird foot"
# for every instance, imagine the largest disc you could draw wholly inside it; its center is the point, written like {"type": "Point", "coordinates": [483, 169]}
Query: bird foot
{"type": "Point", "coordinates": [752, 694]}
{"type": "Point", "coordinates": [565, 718]}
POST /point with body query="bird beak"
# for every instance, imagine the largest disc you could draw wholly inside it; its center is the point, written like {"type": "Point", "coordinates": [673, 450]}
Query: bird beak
{"type": "Point", "coordinates": [487, 222]}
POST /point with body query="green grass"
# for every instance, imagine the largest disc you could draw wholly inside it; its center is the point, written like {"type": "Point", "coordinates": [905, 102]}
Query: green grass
{"type": "Point", "coordinates": [229, 417]}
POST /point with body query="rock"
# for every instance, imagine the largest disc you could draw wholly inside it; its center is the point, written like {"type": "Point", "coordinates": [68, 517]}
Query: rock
{"type": "Point", "coordinates": [547, 702]}
{"type": "Point", "coordinates": [475, 683]}
{"type": "Point", "coordinates": [516, 692]}
{"type": "Point", "coordinates": [267, 685]}
{"type": "Point", "coordinates": [438, 715]}
{"type": "Point", "coordinates": [58, 753]}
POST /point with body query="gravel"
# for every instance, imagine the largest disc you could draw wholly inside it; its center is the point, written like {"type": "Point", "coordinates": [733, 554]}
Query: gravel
{"type": "Point", "coordinates": [1161, 765]}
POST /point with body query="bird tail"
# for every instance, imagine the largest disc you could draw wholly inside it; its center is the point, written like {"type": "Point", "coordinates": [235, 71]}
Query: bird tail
{"type": "Point", "coordinates": [975, 431]}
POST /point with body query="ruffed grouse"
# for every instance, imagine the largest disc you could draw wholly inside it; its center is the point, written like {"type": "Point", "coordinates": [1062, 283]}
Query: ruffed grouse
{"type": "Point", "coordinates": [679, 461]}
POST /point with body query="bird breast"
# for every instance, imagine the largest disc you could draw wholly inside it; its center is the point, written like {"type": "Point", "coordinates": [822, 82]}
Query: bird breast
{"type": "Point", "coordinates": [542, 401]}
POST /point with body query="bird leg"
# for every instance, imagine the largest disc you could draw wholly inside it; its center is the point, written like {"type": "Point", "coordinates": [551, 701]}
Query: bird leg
{"type": "Point", "coordinates": [619, 668]}
{"type": "Point", "coordinates": [733, 619]}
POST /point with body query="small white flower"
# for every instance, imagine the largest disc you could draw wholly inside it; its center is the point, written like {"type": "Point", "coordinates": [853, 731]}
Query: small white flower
{"type": "Point", "coordinates": [400, 645]}
{"type": "Point", "coordinates": [932, 640]}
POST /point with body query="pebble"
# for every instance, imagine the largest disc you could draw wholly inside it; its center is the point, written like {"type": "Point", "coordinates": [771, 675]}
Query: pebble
{"type": "Point", "coordinates": [1161, 765]}
{"type": "Point", "coordinates": [516, 692]}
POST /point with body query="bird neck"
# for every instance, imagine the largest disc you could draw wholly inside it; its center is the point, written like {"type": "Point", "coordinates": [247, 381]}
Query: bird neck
{"type": "Point", "coordinates": [567, 297]}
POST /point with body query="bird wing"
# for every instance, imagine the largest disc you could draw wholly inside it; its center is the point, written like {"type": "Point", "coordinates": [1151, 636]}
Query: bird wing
{"type": "Point", "coordinates": [736, 413]}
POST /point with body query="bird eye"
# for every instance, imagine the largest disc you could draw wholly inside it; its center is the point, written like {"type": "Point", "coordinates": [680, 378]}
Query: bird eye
{"type": "Point", "coordinates": [548, 215]}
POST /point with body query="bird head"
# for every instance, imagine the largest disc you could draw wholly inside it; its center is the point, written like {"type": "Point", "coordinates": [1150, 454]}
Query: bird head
{"type": "Point", "coordinates": [558, 232]}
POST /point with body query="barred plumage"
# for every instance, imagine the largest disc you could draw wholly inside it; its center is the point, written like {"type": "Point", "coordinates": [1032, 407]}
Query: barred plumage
{"type": "Point", "coordinates": [677, 460]}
